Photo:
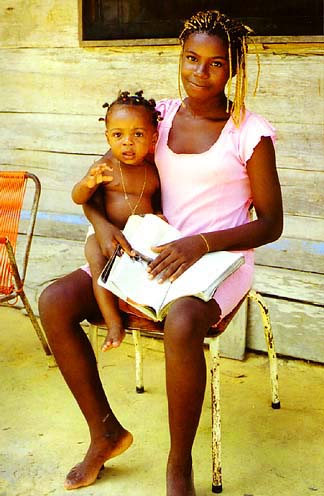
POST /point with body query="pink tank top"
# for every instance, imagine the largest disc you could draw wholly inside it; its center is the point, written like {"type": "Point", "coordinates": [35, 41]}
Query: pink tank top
{"type": "Point", "coordinates": [209, 191]}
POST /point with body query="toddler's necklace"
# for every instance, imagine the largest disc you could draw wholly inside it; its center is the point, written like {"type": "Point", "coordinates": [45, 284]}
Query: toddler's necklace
{"type": "Point", "coordinates": [132, 209]}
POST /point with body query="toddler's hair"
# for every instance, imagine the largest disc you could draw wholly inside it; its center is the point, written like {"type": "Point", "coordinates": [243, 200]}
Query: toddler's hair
{"type": "Point", "coordinates": [125, 98]}
{"type": "Point", "coordinates": [235, 35]}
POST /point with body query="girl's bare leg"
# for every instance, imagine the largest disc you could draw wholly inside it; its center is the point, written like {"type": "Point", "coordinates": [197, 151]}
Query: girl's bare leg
{"type": "Point", "coordinates": [107, 302]}
{"type": "Point", "coordinates": [186, 326]}
{"type": "Point", "coordinates": [62, 306]}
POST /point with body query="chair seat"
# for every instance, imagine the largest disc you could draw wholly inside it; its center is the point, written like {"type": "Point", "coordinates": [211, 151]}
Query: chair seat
{"type": "Point", "coordinates": [135, 322]}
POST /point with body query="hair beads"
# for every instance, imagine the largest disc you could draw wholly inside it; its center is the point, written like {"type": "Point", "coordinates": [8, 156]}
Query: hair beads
{"type": "Point", "coordinates": [125, 98]}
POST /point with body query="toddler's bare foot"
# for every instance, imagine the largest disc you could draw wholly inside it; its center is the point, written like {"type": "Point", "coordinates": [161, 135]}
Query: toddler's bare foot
{"type": "Point", "coordinates": [86, 472]}
{"type": "Point", "coordinates": [115, 336]}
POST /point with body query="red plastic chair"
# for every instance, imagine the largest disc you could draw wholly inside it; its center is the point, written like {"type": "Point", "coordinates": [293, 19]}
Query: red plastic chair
{"type": "Point", "coordinates": [12, 275]}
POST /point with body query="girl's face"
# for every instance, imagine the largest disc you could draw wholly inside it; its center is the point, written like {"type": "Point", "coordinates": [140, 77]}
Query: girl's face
{"type": "Point", "coordinates": [130, 133]}
{"type": "Point", "coordinates": [204, 66]}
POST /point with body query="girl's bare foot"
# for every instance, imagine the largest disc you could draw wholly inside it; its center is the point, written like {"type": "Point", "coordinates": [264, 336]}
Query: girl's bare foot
{"type": "Point", "coordinates": [180, 482]}
{"type": "Point", "coordinates": [86, 472]}
{"type": "Point", "coordinates": [115, 335]}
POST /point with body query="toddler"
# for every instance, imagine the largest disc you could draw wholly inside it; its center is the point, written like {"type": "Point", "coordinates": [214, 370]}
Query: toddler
{"type": "Point", "coordinates": [129, 183]}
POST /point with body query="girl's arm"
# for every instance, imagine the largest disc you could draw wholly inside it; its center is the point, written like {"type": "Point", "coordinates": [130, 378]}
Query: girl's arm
{"type": "Point", "coordinates": [174, 258]}
{"type": "Point", "coordinates": [267, 202]}
{"type": "Point", "coordinates": [96, 175]}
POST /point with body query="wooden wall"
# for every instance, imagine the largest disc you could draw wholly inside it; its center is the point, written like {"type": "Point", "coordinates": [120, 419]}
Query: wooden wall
{"type": "Point", "coordinates": [50, 100]}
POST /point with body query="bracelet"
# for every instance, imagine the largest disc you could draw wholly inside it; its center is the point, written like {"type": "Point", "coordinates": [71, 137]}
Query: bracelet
{"type": "Point", "coordinates": [205, 241]}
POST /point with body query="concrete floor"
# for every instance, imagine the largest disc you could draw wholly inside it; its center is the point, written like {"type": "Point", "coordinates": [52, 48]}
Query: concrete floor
{"type": "Point", "coordinates": [265, 452]}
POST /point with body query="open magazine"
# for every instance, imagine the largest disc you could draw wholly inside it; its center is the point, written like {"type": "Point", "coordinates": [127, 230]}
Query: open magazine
{"type": "Point", "coordinates": [127, 277]}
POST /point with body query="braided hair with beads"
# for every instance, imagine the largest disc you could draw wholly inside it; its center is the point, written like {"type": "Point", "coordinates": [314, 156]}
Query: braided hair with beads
{"type": "Point", "coordinates": [125, 98]}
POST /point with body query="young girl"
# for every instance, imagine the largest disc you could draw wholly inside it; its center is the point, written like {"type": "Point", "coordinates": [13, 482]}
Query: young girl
{"type": "Point", "coordinates": [215, 160]}
{"type": "Point", "coordinates": [129, 183]}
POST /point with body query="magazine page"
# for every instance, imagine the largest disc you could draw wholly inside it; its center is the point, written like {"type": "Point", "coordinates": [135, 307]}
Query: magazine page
{"type": "Point", "coordinates": [201, 279]}
{"type": "Point", "coordinates": [145, 231]}
{"type": "Point", "coordinates": [129, 280]}
{"type": "Point", "coordinates": [204, 276]}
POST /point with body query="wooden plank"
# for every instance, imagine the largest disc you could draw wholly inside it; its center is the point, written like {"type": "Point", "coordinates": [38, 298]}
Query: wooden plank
{"type": "Point", "coordinates": [298, 45]}
{"type": "Point", "coordinates": [39, 23]}
{"type": "Point", "coordinates": [292, 45]}
{"type": "Point", "coordinates": [272, 98]}
{"type": "Point", "coordinates": [50, 259]}
{"type": "Point", "coordinates": [233, 341]}
{"type": "Point", "coordinates": [303, 192]}
{"type": "Point", "coordinates": [298, 329]}
{"type": "Point", "coordinates": [295, 109]}
{"type": "Point", "coordinates": [66, 134]}
{"type": "Point", "coordinates": [56, 171]}
{"type": "Point", "coordinates": [56, 226]}
{"type": "Point", "coordinates": [291, 284]}
{"type": "Point", "coordinates": [288, 73]}
{"type": "Point", "coordinates": [57, 206]}
{"type": "Point", "coordinates": [305, 258]}
{"type": "Point", "coordinates": [307, 228]}
{"type": "Point", "coordinates": [59, 217]}
{"type": "Point", "coordinates": [296, 254]}
{"type": "Point", "coordinates": [294, 139]}
{"type": "Point", "coordinates": [79, 81]}
{"type": "Point", "coordinates": [69, 72]}
{"type": "Point", "coordinates": [80, 134]}
{"type": "Point", "coordinates": [59, 171]}
{"type": "Point", "coordinates": [68, 215]}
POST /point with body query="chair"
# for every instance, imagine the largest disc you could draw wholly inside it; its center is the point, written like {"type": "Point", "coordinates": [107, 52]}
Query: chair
{"type": "Point", "coordinates": [13, 187]}
{"type": "Point", "coordinates": [140, 326]}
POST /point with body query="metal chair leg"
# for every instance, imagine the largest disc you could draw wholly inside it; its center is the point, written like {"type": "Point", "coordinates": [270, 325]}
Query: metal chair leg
{"type": "Point", "coordinates": [34, 322]}
{"type": "Point", "coordinates": [273, 366]}
{"type": "Point", "coordinates": [93, 338]}
{"type": "Point", "coordinates": [138, 361]}
{"type": "Point", "coordinates": [216, 417]}
{"type": "Point", "coordinates": [19, 284]}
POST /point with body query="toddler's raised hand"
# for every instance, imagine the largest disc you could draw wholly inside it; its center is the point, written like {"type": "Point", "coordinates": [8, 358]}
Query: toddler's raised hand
{"type": "Point", "coordinates": [99, 174]}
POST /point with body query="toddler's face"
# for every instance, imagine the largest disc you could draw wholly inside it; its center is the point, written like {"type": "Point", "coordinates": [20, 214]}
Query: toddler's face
{"type": "Point", "coordinates": [130, 133]}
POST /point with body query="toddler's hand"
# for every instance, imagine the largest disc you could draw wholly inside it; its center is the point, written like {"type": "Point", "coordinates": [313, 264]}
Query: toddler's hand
{"type": "Point", "coordinates": [98, 175]}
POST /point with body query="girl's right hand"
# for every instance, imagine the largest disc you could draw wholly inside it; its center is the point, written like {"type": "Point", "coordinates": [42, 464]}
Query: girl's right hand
{"type": "Point", "coordinates": [98, 174]}
{"type": "Point", "coordinates": [176, 257]}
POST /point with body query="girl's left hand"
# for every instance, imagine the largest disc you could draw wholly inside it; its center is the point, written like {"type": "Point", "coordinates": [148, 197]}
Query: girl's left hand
{"type": "Point", "coordinates": [176, 257]}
